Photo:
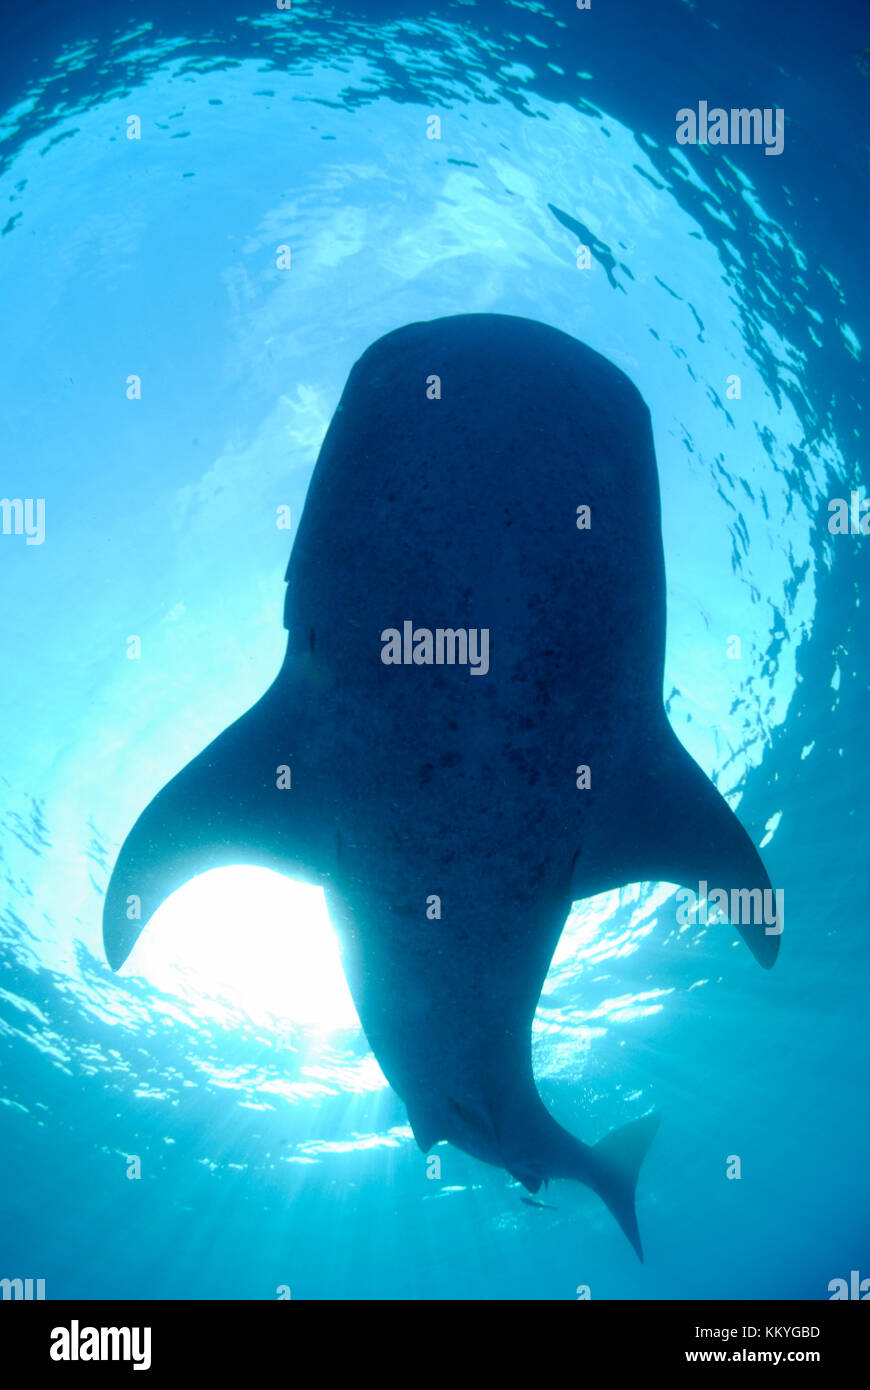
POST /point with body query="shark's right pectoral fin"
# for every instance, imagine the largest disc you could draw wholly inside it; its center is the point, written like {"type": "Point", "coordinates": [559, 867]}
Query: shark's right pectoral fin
{"type": "Point", "coordinates": [230, 805]}
{"type": "Point", "coordinates": [677, 828]}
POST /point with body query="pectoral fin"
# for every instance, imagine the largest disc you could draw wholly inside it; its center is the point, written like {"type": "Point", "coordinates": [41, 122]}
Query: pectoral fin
{"type": "Point", "coordinates": [673, 826]}
{"type": "Point", "coordinates": [226, 807]}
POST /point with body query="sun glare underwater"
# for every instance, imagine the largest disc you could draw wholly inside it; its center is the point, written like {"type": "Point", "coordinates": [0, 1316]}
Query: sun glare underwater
{"type": "Point", "coordinates": [284, 205]}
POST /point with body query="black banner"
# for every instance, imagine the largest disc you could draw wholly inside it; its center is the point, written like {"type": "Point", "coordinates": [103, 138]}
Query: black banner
{"type": "Point", "coordinates": [59, 1338]}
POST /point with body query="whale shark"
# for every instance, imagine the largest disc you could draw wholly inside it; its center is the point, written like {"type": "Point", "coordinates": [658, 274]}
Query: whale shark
{"type": "Point", "coordinates": [482, 473]}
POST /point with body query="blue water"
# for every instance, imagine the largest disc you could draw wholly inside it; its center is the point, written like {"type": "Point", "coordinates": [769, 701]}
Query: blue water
{"type": "Point", "coordinates": [227, 1056]}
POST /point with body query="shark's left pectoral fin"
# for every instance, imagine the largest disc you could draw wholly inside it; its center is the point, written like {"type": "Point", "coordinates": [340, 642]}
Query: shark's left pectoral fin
{"type": "Point", "coordinates": [677, 828]}
{"type": "Point", "coordinates": [239, 802]}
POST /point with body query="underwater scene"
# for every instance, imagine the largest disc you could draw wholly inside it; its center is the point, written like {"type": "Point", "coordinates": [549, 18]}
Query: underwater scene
{"type": "Point", "coordinates": [442, 873]}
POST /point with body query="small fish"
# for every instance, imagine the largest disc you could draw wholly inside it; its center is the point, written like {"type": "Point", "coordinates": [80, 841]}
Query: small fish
{"type": "Point", "coordinates": [530, 1202]}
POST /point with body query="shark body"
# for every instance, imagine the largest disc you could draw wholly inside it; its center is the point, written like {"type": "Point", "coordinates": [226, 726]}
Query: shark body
{"type": "Point", "coordinates": [440, 807]}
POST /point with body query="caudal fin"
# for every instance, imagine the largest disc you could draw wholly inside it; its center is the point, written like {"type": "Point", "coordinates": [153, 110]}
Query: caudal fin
{"type": "Point", "coordinates": [617, 1159]}
{"type": "Point", "coordinates": [536, 1148]}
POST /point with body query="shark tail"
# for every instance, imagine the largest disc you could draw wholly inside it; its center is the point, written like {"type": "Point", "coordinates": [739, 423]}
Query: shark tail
{"type": "Point", "coordinates": [617, 1161]}
{"type": "Point", "coordinates": [610, 1167]}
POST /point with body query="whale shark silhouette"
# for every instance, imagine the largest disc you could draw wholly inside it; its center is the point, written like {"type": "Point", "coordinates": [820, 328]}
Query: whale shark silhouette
{"type": "Point", "coordinates": [442, 814]}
